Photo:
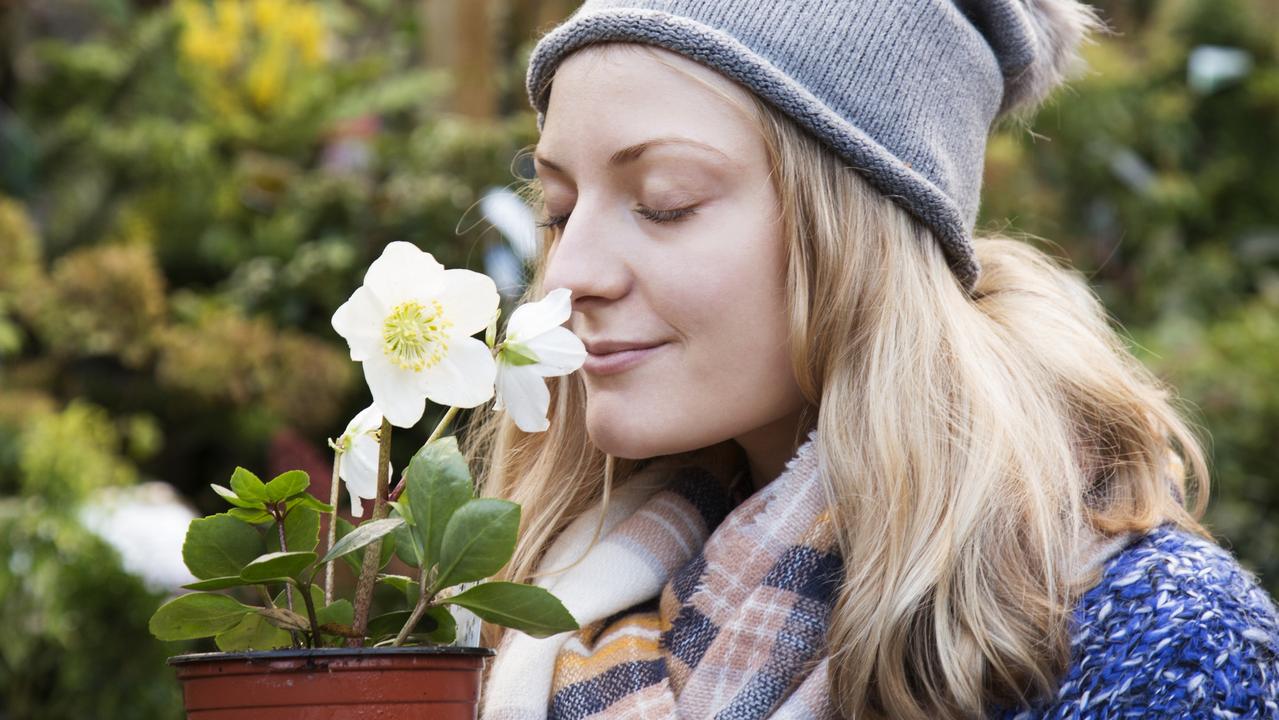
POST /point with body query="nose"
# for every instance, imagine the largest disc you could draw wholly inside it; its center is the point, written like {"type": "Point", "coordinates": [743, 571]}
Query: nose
{"type": "Point", "coordinates": [588, 259]}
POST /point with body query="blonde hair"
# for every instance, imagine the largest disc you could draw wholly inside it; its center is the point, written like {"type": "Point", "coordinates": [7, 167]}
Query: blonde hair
{"type": "Point", "coordinates": [974, 444]}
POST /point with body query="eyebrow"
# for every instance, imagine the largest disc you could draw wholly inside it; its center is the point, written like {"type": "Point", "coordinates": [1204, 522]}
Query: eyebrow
{"type": "Point", "coordinates": [632, 153]}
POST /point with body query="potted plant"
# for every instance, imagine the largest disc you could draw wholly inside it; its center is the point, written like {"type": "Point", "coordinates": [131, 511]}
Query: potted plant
{"type": "Point", "coordinates": [296, 650]}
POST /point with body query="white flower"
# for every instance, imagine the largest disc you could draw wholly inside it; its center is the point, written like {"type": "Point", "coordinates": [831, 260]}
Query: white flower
{"type": "Point", "coordinates": [358, 455]}
{"type": "Point", "coordinates": [536, 347]}
{"type": "Point", "coordinates": [410, 326]}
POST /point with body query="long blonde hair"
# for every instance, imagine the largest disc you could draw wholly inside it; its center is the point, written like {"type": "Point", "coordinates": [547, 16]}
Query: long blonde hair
{"type": "Point", "coordinates": [974, 445]}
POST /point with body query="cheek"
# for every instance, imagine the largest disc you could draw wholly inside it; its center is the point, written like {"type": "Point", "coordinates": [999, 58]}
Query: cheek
{"type": "Point", "coordinates": [732, 298]}
{"type": "Point", "coordinates": [738, 352]}
{"type": "Point", "coordinates": [729, 371]}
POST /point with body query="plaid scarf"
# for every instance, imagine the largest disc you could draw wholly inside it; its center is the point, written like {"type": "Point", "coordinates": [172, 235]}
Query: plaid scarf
{"type": "Point", "coordinates": [687, 606]}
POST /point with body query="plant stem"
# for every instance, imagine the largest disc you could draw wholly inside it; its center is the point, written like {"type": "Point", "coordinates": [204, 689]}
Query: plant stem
{"type": "Point", "coordinates": [310, 613]}
{"type": "Point", "coordinates": [333, 529]}
{"type": "Point", "coordinates": [444, 423]}
{"type": "Point", "coordinates": [418, 610]}
{"type": "Point", "coordinates": [435, 435]}
{"type": "Point", "coordinates": [266, 596]}
{"type": "Point", "coordinates": [288, 589]}
{"type": "Point", "coordinates": [373, 553]}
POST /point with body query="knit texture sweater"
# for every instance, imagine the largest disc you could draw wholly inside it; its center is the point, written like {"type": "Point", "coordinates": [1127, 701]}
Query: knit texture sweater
{"type": "Point", "coordinates": [1174, 629]}
{"type": "Point", "coordinates": [689, 610]}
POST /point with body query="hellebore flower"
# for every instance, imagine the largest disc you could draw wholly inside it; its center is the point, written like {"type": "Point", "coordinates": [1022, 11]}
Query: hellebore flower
{"type": "Point", "coordinates": [358, 455]}
{"type": "Point", "coordinates": [410, 326]}
{"type": "Point", "coordinates": [536, 347]}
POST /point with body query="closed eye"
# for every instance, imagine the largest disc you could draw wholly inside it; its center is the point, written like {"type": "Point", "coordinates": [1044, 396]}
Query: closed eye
{"type": "Point", "coordinates": [657, 216]}
{"type": "Point", "coordinates": [553, 221]}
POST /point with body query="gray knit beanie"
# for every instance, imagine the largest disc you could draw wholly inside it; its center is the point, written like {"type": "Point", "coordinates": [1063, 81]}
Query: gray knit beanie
{"type": "Point", "coordinates": [906, 91]}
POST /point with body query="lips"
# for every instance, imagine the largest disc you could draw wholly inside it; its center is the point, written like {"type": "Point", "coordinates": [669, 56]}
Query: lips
{"type": "Point", "coordinates": [612, 357]}
{"type": "Point", "coordinates": [605, 347]}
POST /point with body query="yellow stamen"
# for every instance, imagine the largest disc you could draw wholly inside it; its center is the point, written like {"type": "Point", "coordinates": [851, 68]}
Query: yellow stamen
{"type": "Point", "coordinates": [414, 337]}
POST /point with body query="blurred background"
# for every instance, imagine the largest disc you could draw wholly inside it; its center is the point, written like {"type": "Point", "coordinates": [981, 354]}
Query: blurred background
{"type": "Point", "coordinates": [189, 189]}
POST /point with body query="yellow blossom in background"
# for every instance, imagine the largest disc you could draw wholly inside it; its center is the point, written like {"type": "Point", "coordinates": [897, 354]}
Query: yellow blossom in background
{"type": "Point", "coordinates": [229, 18]}
{"type": "Point", "coordinates": [307, 34]}
{"type": "Point", "coordinates": [202, 41]}
{"type": "Point", "coordinates": [266, 75]}
{"type": "Point", "coordinates": [268, 13]}
{"type": "Point", "coordinates": [247, 54]}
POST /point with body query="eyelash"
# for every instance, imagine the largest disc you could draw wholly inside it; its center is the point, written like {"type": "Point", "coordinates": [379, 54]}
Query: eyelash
{"type": "Point", "coordinates": [657, 216]}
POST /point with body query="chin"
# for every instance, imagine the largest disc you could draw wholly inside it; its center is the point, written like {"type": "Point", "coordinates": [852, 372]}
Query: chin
{"type": "Point", "coordinates": [630, 433]}
{"type": "Point", "coordinates": [625, 434]}
{"type": "Point", "coordinates": [622, 443]}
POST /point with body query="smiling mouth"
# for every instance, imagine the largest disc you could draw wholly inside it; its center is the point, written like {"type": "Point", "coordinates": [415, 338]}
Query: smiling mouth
{"type": "Point", "coordinates": [620, 361]}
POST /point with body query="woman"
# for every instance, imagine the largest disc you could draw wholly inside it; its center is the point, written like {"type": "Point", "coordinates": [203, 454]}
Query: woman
{"type": "Point", "coordinates": [831, 455]}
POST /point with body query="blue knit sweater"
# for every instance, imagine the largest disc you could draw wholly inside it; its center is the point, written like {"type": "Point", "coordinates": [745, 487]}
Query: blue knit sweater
{"type": "Point", "coordinates": [1174, 629]}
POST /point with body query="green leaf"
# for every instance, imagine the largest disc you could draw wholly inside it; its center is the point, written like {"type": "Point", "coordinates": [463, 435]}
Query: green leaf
{"type": "Point", "coordinates": [353, 560]}
{"type": "Point", "coordinates": [407, 548]}
{"type": "Point", "coordinates": [253, 632]}
{"type": "Point", "coordinates": [277, 566]}
{"type": "Point", "coordinates": [356, 560]}
{"type": "Point", "coordinates": [220, 545]}
{"type": "Point", "coordinates": [286, 485]}
{"type": "Point", "coordinates": [400, 508]}
{"type": "Point", "coordinates": [285, 619]}
{"type": "Point", "coordinates": [231, 497]}
{"type": "Point", "coordinates": [196, 615]}
{"type": "Point", "coordinates": [366, 533]}
{"type": "Point", "coordinates": [317, 596]}
{"type": "Point", "coordinates": [340, 612]}
{"type": "Point", "coordinates": [248, 486]}
{"type": "Point", "coordinates": [255, 517]}
{"type": "Point", "coordinates": [445, 630]}
{"type": "Point", "coordinates": [438, 483]}
{"type": "Point", "coordinates": [301, 532]}
{"type": "Point", "coordinates": [445, 626]}
{"type": "Point", "coordinates": [218, 583]}
{"type": "Point", "coordinates": [436, 625]}
{"type": "Point", "coordinates": [308, 501]}
{"type": "Point", "coordinates": [390, 623]}
{"type": "Point", "coordinates": [404, 584]}
{"type": "Point", "coordinates": [478, 540]}
{"type": "Point", "coordinates": [526, 608]}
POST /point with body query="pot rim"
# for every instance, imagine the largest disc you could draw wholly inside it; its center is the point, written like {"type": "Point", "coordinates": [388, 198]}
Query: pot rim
{"type": "Point", "coordinates": [251, 655]}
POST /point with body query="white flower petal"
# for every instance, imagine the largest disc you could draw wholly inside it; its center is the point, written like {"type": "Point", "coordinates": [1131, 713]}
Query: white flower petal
{"type": "Point", "coordinates": [367, 420]}
{"type": "Point", "coordinates": [469, 298]}
{"type": "Point", "coordinates": [464, 378]}
{"type": "Point", "coordinates": [358, 469]}
{"type": "Point", "coordinates": [359, 321]}
{"type": "Point", "coordinates": [396, 391]}
{"type": "Point", "coordinates": [532, 319]}
{"type": "Point", "coordinates": [524, 395]}
{"type": "Point", "coordinates": [402, 272]}
{"type": "Point", "coordinates": [558, 351]}
{"type": "Point", "coordinates": [357, 465]}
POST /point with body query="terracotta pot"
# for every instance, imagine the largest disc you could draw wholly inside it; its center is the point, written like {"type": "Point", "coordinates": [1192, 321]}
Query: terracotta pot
{"type": "Point", "coordinates": [441, 683]}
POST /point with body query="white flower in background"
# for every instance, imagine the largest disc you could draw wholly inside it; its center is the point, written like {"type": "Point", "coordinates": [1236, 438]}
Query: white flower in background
{"type": "Point", "coordinates": [513, 218]}
{"type": "Point", "coordinates": [357, 457]}
{"type": "Point", "coordinates": [536, 347]}
{"type": "Point", "coordinates": [410, 326]}
{"type": "Point", "coordinates": [146, 524]}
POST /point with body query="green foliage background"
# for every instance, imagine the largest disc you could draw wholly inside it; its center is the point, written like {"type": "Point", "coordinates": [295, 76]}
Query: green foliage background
{"type": "Point", "coordinates": [1165, 193]}
{"type": "Point", "coordinates": [176, 229]}
{"type": "Point", "coordinates": [187, 193]}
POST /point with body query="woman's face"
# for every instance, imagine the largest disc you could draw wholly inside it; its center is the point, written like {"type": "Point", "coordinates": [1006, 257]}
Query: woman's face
{"type": "Point", "coordinates": [669, 239]}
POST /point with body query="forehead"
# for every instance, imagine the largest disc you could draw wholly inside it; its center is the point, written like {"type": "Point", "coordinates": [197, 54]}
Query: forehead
{"type": "Point", "coordinates": [611, 96]}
